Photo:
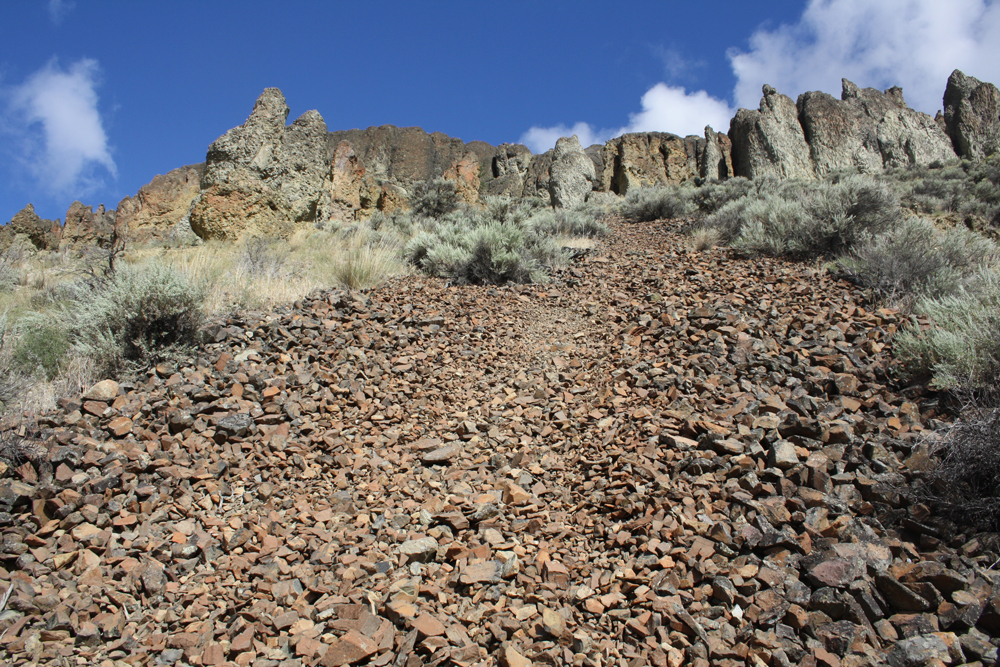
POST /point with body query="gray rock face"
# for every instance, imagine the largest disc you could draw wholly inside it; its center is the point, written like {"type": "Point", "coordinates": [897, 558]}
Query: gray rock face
{"type": "Point", "coordinates": [769, 141]}
{"type": "Point", "coordinates": [904, 136]}
{"type": "Point", "coordinates": [572, 173]}
{"type": "Point", "coordinates": [264, 178]}
{"type": "Point", "coordinates": [972, 116]}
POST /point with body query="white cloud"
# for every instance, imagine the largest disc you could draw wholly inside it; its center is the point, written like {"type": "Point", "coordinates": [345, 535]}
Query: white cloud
{"type": "Point", "coordinates": [57, 131]}
{"type": "Point", "coordinates": [914, 44]}
{"type": "Point", "coordinates": [664, 109]}
{"type": "Point", "coordinates": [58, 9]}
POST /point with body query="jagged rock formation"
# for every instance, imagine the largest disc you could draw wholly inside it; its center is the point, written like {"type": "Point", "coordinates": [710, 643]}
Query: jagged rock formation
{"type": "Point", "coordinates": [86, 227]}
{"type": "Point", "coordinates": [572, 173]}
{"type": "Point", "coordinates": [972, 116]}
{"type": "Point", "coordinates": [264, 178]}
{"type": "Point", "coordinates": [769, 141]}
{"type": "Point", "coordinates": [866, 129]}
{"type": "Point", "coordinates": [43, 234]}
{"type": "Point", "coordinates": [160, 205]}
{"type": "Point", "coordinates": [648, 158]}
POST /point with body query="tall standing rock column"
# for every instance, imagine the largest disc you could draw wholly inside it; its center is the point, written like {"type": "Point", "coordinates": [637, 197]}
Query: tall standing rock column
{"type": "Point", "coordinates": [264, 178]}
{"type": "Point", "coordinates": [572, 173]}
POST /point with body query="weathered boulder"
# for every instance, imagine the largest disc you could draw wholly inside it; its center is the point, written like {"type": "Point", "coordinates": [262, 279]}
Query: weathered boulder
{"type": "Point", "coordinates": [572, 173]}
{"type": "Point", "coordinates": [84, 226]}
{"type": "Point", "coordinates": [715, 161]}
{"type": "Point", "coordinates": [264, 178]}
{"type": "Point", "coordinates": [644, 159]}
{"type": "Point", "coordinates": [159, 206]}
{"type": "Point", "coordinates": [769, 141]}
{"type": "Point", "coordinates": [972, 116]}
{"type": "Point", "coordinates": [43, 234]}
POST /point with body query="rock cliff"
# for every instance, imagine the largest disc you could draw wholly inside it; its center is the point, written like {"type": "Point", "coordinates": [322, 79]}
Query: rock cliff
{"type": "Point", "coordinates": [265, 178]}
{"type": "Point", "coordinates": [160, 205]}
{"type": "Point", "coordinates": [572, 173]}
{"type": "Point", "coordinates": [972, 116]}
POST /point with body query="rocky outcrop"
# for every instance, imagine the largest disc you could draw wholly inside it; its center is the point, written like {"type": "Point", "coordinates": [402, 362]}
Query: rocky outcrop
{"type": "Point", "coordinates": [715, 161]}
{"type": "Point", "coordinates": [404, 156]}
{"type": "Point", "coordinates": [509, 168]}
{"type": "Point", "coordinates": [265, 178]}
{"type": "Point", "coordinates": [353, 194]}
{"type": "Point", "coordinates": [572, 173]}
{"type": "Point", "coordinates": [160, 205]}
{"type": "Point", "coordinates": [43, 234]}
{"type": "Point", "coordinates": [769, 141]}
{"type": "Point", "coordinates": [866, 129]}
{"type": "Point", "coordinates": [648, 158]}
{"type": "Point", "coordinates": [86, 227]}
{"type": "Point", "coordinates": [972, 116]}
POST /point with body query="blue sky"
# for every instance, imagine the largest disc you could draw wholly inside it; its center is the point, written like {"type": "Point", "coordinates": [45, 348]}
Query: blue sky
{"type": "Point", "coordinates": [97, 97]}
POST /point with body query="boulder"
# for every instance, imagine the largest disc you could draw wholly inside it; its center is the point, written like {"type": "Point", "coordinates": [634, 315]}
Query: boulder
{"type": "Point", "coordinates": [643, 159]}
{"type": "Point", "coordinates": [265, 178]}
{"type": "Point", "coordinates": [43, 234]}
{"type": "Point", "coordinates": [158, 207]}
{"type": "Point", "coordinates": [87, 227]}
{"type": "Point", "coordinates": [972, 116]}
{"type": "Point", "coordinates": [715, 161]}
{"type": "Point", "coordinates": [572, 173]}
{"type": "Point", "coordinates": [769, 141]}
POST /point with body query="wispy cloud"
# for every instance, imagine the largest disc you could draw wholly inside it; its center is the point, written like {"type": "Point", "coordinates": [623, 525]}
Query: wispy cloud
{"type": "Point", "coordinates": [910, 43]}
{"type": "Point", "coordinates": [54, 130]}
{"type": "Point", "coordinates": [914, 44]}
{"type": "Point", "coordinates": [58, 9]}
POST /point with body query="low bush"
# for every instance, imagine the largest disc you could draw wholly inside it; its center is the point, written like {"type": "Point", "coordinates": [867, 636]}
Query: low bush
{"type": "Point", "coordinates": [914, 258]}
{"type": "Point", "coordinates": [506, 241]}
{"type": "Point", "coordinates": [142, 315]}
{"type": "Point", "coordinates": [713, 195]}
{"type": "Point", "coordinates": [658, 203]}
{"type": "Point", "coordinates": [961, 347]}
{"type": "Point", "coordinates": [435, 198]}
{"type": "Point", "coordinates": [41, 345]}
{"type": "Point", "coordinates": [965, 484]}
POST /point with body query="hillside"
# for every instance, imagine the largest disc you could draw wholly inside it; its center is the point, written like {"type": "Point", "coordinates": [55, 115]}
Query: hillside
{"type": "Point", "coordinates": [661, 457]}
